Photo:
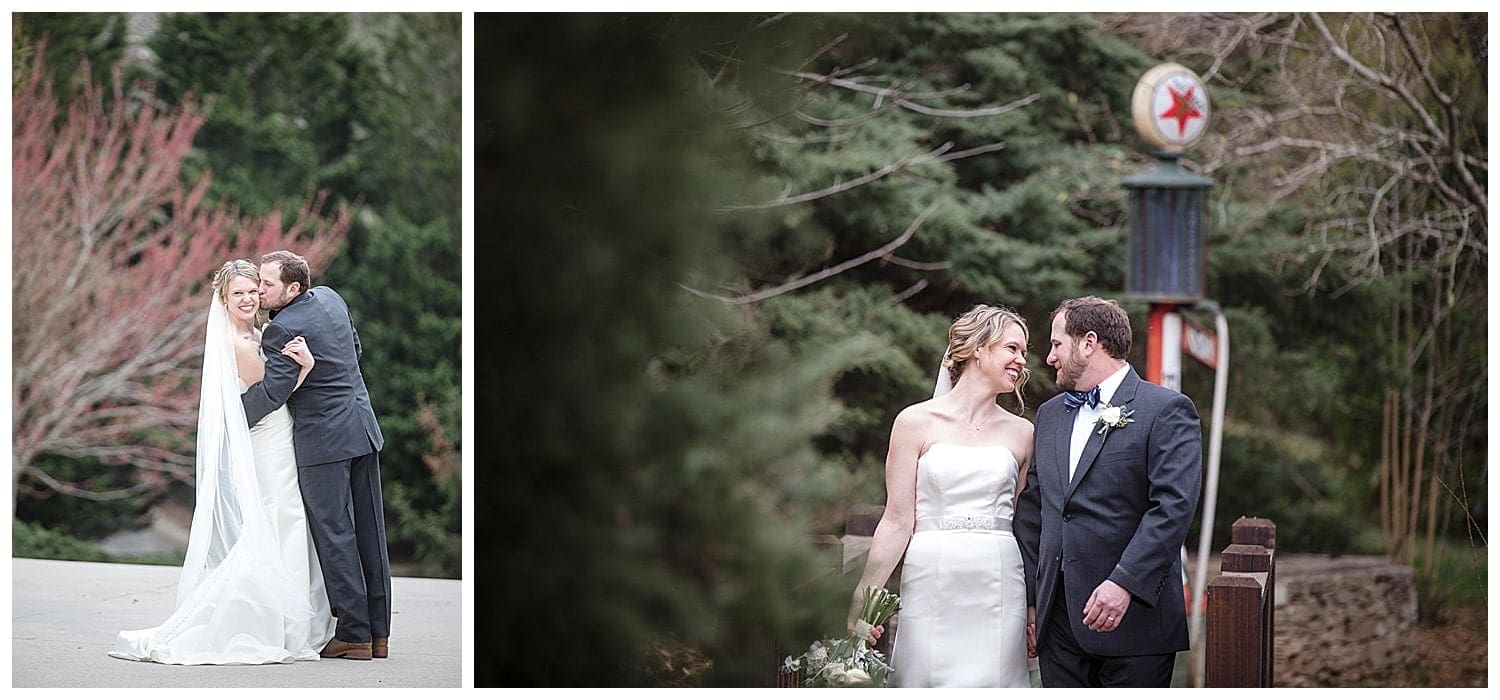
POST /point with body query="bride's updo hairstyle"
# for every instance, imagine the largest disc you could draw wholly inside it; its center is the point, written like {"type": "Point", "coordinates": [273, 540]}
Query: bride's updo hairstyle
{"type": "Point", "coordinates": [230, 270]}
{"type": "Point", "coordinates": [977, 328]}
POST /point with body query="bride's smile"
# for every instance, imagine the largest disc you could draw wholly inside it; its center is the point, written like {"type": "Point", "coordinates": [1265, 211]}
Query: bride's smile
{"type": "Point", "coordinates": [243, 298]}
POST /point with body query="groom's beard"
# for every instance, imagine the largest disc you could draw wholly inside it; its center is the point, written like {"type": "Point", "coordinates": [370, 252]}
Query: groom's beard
{"type": "Point", "coordinates": [274, 304]}
{"type": "Point", "coordinates": [1071, 369]}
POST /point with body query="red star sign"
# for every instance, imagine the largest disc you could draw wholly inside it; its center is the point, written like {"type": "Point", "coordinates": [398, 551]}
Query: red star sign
{"type": "Point", "coordinates": [1182, 108]}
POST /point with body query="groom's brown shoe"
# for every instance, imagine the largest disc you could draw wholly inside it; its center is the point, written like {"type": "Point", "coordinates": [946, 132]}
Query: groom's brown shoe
{"type": "Point", "coordinates": [336, 649]}
{"type": "Point", "coordinates": [381, 647]}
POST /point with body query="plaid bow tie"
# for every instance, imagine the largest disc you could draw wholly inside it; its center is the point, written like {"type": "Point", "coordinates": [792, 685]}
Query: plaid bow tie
{"type": "Point", "coordinates": [1074, 399]}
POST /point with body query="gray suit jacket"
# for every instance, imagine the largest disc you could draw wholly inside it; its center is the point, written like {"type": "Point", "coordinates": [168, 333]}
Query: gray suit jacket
{"type": "Point", "coordinates": [1123, 517]}
{"type": "Point", "coordinates": [331, 414]}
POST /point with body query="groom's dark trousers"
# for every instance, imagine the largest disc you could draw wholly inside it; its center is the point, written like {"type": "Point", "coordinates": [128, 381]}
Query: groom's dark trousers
{"type": "Point", "coordinates": [1064, 664]}
{"type": "Point", "coordinates": [347, 523]}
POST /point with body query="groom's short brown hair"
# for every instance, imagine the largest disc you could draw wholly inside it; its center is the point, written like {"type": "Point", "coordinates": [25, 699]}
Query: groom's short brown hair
{"type": "Point", "coordinates": [293, 268]}
{"type": "Point", "coordinates": [1102, 316]}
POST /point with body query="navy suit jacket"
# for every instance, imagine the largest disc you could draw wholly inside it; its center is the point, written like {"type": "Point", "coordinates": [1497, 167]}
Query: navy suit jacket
{"type": "Point", "coordinates": [1124, 517]}
{"type": "Point", "coordinates": [331, 415]}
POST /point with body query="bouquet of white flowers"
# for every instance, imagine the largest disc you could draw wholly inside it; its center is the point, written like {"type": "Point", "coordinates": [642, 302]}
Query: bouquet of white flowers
{"type": "Point", "coordinates": [849, 661]}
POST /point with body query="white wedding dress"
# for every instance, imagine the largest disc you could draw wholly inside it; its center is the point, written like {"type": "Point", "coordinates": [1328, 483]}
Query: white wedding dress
{"type": "Point", "coordinates": [963, 592]}
{"type": "Point", "coordinates": [251, 590]}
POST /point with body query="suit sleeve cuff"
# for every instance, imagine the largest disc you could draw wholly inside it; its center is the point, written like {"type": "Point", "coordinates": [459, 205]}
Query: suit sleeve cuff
{"type": "Point", "coordinates": [1124, 579]}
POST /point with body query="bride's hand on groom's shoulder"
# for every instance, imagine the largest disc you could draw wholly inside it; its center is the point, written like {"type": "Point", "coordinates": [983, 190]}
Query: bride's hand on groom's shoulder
{"type": "Point", "coordinates": [296, 348]}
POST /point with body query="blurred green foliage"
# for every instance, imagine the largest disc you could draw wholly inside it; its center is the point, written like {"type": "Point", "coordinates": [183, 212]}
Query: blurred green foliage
{"type": "Point", "coordinates": [1458, 576]}
{"type": "Point", "coordinates": [40, 505]}
{"type": "Point", "coordinates": [649, 486]}
{"type": "Point", "coordinates": [65, 514]}
{"type": "Point", "coordinates": [71, 39]}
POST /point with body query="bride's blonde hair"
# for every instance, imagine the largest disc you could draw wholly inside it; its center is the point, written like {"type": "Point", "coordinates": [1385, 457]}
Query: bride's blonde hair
{"type": "Point", "coordinates": [977, 328]}
{"type": "Point", "coordinates": [230, 270]}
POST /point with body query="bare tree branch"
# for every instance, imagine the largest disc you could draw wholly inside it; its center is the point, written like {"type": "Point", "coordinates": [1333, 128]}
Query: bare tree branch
{"type": "Point", "coordinates": [875, 112]}
{"type": "Point", "coordinates": [934, 156]}
{"type": "Point", "coordinates": [909, 292]}
{"type": "Point", "coordinates": [827, 272]}
{"type": "Point", "coordinates": [904, 99]}
{"type": "Point", "coordinates": [914, 265]}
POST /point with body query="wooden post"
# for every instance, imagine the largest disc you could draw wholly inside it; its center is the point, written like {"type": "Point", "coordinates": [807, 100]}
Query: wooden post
{"type": "Point", "coordinates": [861, 520]}
{"type": "Point", "coordinates": [1262, 532]}
{"type": "Point", "coordinates": [1241, 607]}
{"type": "Point", "coordinates": [1234, 632]}
{"type": "Point", "coordinates": [788, 680]}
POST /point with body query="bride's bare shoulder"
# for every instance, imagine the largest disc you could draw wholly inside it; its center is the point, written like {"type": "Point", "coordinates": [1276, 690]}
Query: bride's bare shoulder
{"type": "Point", "coordinates": [1017, 423]}
{"type": "Point", "coordinates": [918, 415]}
{"type": "Point", "coordinates": [246, 348]}
{"type": "Point", "coordinates": [249, 341]}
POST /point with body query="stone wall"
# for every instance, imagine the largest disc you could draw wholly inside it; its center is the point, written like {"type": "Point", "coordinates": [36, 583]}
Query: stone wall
{"type": "Point", "coordinates": [1342, 621]}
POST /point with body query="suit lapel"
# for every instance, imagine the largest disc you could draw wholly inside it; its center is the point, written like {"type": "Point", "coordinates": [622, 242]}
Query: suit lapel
{"type": "Point", "coordinates": [1124, 394]}
{"type": "Point", "coordinates": [1057, 443]}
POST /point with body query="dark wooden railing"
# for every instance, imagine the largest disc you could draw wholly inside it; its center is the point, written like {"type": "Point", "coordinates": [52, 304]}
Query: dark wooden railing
{"type": "Point", "coordinates": [1242, 609]}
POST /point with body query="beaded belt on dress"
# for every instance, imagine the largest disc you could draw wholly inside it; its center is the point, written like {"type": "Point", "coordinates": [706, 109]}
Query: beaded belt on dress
{"type": "Point", "coordinates": [964, 522]}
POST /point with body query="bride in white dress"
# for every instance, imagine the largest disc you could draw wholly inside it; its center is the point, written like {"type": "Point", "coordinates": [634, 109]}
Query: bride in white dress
{"type": "Point", "coordinates": [952, 476]}
{"type": "Point", "coordinates": [251, 591]}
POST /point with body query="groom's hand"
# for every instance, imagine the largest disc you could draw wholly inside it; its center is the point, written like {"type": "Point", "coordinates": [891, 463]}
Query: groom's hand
{"type": "Point", "coordinates": [1106, 607]}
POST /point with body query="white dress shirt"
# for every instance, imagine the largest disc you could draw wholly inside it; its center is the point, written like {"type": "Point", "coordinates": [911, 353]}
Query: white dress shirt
{"type": "Point", "coordinates": [1083, 423]}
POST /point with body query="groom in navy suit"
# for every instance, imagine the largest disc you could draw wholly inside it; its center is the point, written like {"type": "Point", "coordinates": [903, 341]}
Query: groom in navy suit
{"type": "Point", "coordinates": [337, 441]}
{"type": "Point", "coordinates": [1112, 487]}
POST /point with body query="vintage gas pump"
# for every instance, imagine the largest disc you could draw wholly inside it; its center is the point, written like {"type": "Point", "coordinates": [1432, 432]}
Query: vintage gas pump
{"type": "Point", "coordinates": [1166, 269]}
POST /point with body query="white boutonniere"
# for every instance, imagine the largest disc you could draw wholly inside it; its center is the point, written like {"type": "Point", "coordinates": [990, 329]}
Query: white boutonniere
{"type": "Point", "coordinates": [1113, 417]}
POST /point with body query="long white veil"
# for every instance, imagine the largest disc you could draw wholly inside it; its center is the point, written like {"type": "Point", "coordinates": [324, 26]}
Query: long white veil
{"type": "Point", "coordinates": [229, 512]}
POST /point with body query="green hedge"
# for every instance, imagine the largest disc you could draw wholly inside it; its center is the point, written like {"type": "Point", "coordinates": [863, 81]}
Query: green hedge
{"type": "Point", "coordinates": [31, 541]}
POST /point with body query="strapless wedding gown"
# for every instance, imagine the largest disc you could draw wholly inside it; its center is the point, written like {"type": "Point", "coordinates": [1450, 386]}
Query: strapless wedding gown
{"type": "Point", "coordinates": [261, 604]}
{"type": "Point", "coordinates": [963, 592]}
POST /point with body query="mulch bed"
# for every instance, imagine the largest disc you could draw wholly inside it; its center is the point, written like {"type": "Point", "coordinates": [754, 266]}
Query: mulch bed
{"type": "Point", "coordinates": [1451, 653]}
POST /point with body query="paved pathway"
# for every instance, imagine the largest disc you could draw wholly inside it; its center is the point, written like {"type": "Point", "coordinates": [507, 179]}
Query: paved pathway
{"type": "Point", "coordinates": [65, 615]}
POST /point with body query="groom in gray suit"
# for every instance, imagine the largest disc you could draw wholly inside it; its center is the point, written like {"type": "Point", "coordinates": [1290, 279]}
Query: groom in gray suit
{"type": "Point", "coordinates": [1112, 487]}
{"type": "Point", "coordinates": [337, 443]}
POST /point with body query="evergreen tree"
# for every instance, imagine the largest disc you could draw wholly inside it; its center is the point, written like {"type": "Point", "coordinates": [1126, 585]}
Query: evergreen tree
{"type": "Point", "coordinates": [287, 94]}
{"type": "Point", "coordinates": [71, 39]}
{"type": "Point", "coordinates": [402, 282]}
{"type": "Point", "coordinates": [648, 478]}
